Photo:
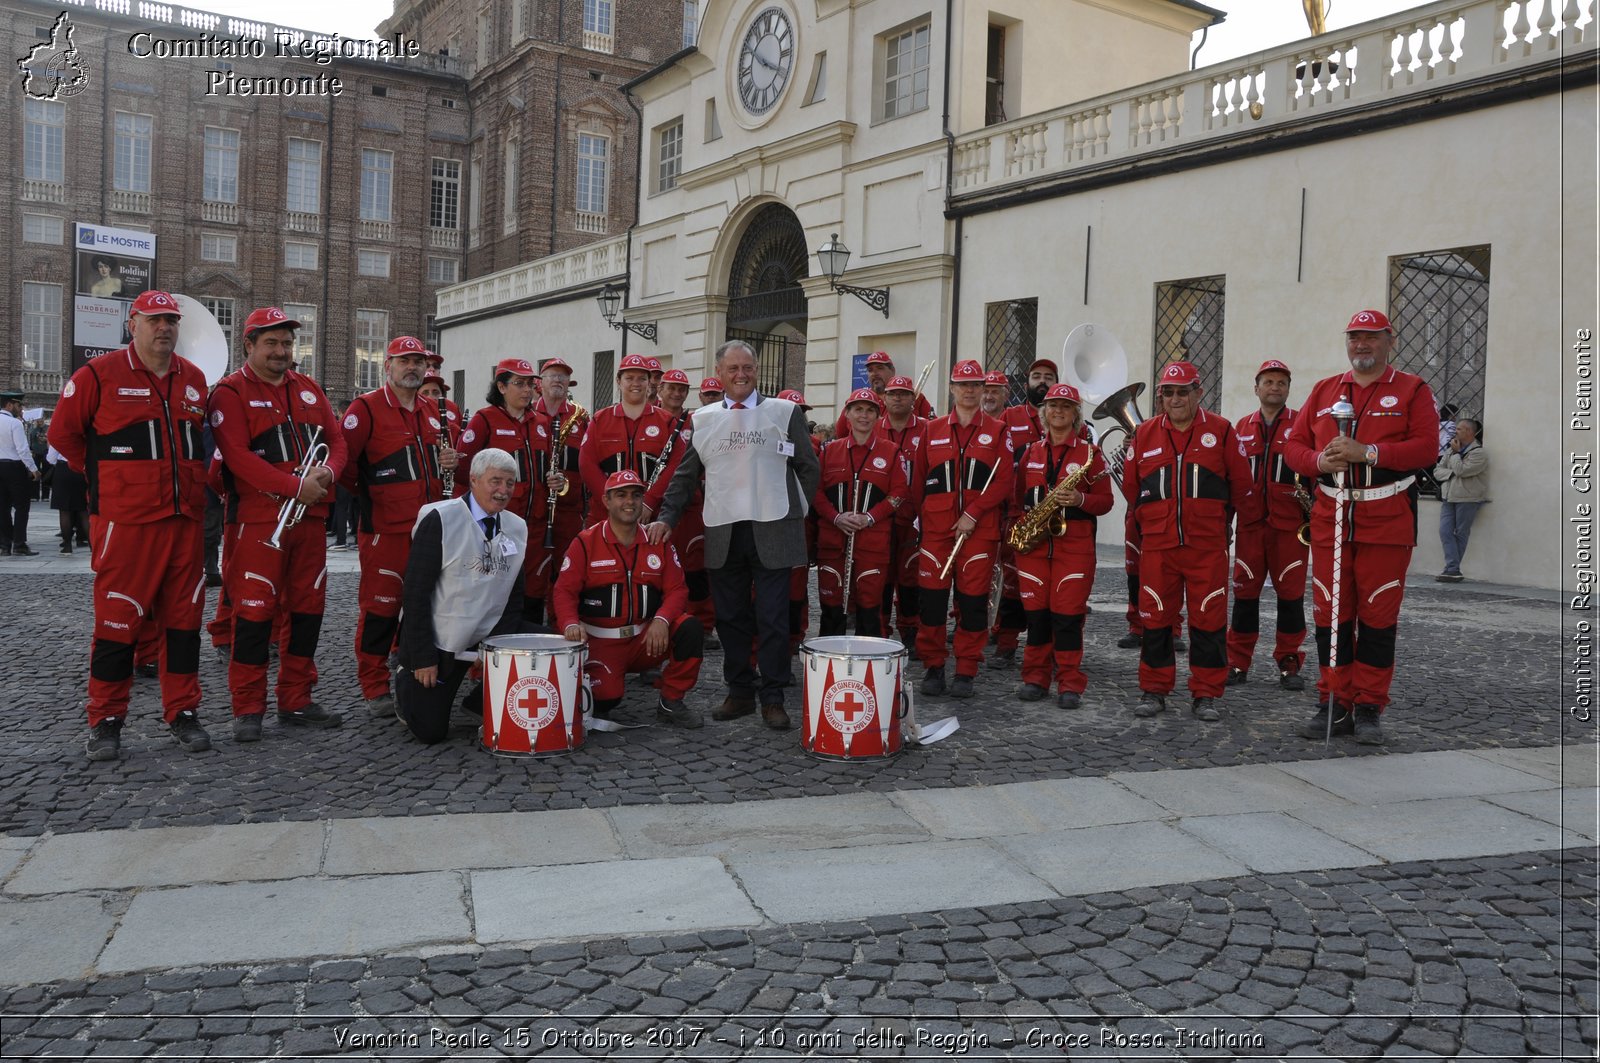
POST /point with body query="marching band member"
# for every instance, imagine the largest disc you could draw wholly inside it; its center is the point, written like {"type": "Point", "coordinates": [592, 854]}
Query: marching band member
{"type": "Point", "coordinates": [689, 537]}
{"type": "Point", "coordinates": [463, 584]}
{"type": "Point", "coordinates": [863, 486]}
{"type": "Point", "coordinates": [1396, 433]}
{"type": "Point", "coordinates": [1185, 478]}
{"type": "Point", "coordinates": [1130, 567]}
{"type": "Point", "coordinates": [654, 368]}
{"type": "Point", "coordinates": [627, 599]}
{"type": "Point", "coordinates": [267, 419]}
{"type": "Point", "coordinates": [1023, 426]}
{"type": "Point", "coordinates": [392, 436]}
{"type": "Point", "coordinates": [628, 435]}
{"type": "Point", "coordinates": [131, 420]}
{"type": "Point", "coordinates": [964, 467]}
{"type": "Point", "coordinates": [435, 388]}
{"type": "Point", "coordinates": [558, 434]}
{"type": "Point", "coordinates": [1270, 546]}
{"type": "Point", "coordinates": [880, 370]}
{"type": "Point", "coordinates": [996, 392]}
{"type": "Point", "coordinates": [710, 391]}
{"type": "Point", "coordinates": [902, 427]}
{"type": "Point", "coordinates": [1056, 577]}
{"type": "Point", "coordinates": [800, 577]}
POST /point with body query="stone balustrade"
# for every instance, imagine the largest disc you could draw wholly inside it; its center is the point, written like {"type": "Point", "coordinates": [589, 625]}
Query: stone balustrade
{"type": "Point", "coordinates": [584, 265]}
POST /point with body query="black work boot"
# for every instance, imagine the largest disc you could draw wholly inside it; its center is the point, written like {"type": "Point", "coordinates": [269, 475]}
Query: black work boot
{"type": "Point", "coordinates": [1317, 726]}
{"type": "Point", "coordinates": [933, 682]}
{"type": "Point", "coordinates": [1368, 731]}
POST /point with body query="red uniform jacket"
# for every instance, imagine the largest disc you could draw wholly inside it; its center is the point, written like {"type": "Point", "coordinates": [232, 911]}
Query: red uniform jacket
{"type": "Point", "coordinates": [1183, 487]}
{"type": "Point", "coordinates": [1023, 425]}
{"type": "Point", "coordinates": [866, 479]}
{"type": "Point", "coordinates": [615, 442]}
{"type": "Point", "coordinates": [1043, 466]}
{"type": "Point", "coordinates": [136, 437]}
{"type": "Point", "coordinates": [906, 441]}
{"type": "Point", "coordinates": [1270, 475]}
{"type": "Point", "coordinates": [952, 466]}
{"type": "Point", "coordinates": [1397, 413]}
{"type": "Point", "coordinates": [264, 433]}
{"type": "Point", "coordinates": [393, 459]}
{"type": "Point", "coordinates": [605, 584]}
{"type": "Point", "coordinates": [493, 427]}
{"type": "Point", "coordinates": [920, 409]}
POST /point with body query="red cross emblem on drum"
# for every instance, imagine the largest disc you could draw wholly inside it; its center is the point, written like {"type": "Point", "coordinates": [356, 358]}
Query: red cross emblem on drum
{"type": "Point", "coordinates": [849, 706]}
{"type": "Point", "coordinates": [532, 702]}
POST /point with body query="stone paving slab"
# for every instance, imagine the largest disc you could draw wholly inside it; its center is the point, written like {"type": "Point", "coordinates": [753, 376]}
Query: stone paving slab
{"type": "Point", "coordinates": [595, 900]}
{"type": "Point", "coordinates": [170, 856]}
{"type": "Point", "coordinates": [766, 826]}
{"type": "Point", "coordinates": [1225, 791]}
{"type": "Point", "coordinates": [1441, 829]}
{"type": "Point", "coordinates": [1097, 859]}
{"type": "Point", "coordinates": [1576, 809]}
{"type": "Point", "coordinates": [1577, 764]}
{"type": "Point", "coordinates": [389, 845]}
{"type": "Point", "coordinates": [12, 850]}
{"type": "Point", "coordinates": [295, 919]}
{"type": "Point", "coordinates": [884, 880]}
{"type": "Point", "coordinates": [1025, 808]}
{"type": "Point", "coordinates": [1273, 842]}
{"type": "Point", "coordinates": [52, 939]}
{"type": "Point", "coordinates": [1375, 780]}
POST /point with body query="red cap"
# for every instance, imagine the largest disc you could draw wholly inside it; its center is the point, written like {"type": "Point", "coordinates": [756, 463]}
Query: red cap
{"type": "Point", "coordinates": [1369, 321]}
{"type": "Point", "coordinates": [791, 395]}
{"type": "Point", "coordinates": [862, 395]}
{"type": "Point", "coordinates": [1179, 374]}
{"type": "Point", "coordinates": [1062, 391]}
{"type": "Point", "coordinates": [625, 478]}
{"type": "Point", "coordinates": [900, 383]}
{"type": "Point", "coordinates": [1047, 363]}
{"type": "Point", "coordinates": [404, 345]}
{"type": "Point", "coordinates": [155, 303]}
{"type": "Point", "coordinates": [1272, 365]}
{"type": "Point", "coordinates": [880, 358]}
{"type": "Point", "coordinates": [516, 367]}
{"type": "Point", "coordinates": [435, 359]}
{"type": "Point", "coordinates": [996, 379]}
{"type": "Point", "coordinates": [653, 364]}
{"type": "Point", "coordinates": [431, 377]}
{"type": "Point", "coordinates": [268, 317]}
{"type": "Point", "coordinates": [675, 376]}
{"type": "Point", "coordinates": [711, 383]}
{"type": "Point", "coordinates": [967, 372]}
{"type": "Point", "coordinates": [555, 363]}
{"type": "Point", "coordinates": [634, 361]}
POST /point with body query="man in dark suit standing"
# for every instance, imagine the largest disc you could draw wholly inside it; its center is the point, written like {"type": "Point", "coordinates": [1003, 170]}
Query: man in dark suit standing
{"type": "Point", "coordinates": [759, 470]}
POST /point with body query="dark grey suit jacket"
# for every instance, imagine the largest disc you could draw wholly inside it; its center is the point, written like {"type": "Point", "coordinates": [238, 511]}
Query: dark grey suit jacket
{"type": "Point", "coordinates": [779, 543]}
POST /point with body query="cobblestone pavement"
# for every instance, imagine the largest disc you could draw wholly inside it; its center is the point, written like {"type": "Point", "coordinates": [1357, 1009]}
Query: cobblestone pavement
{"type": "Point", "coordinates": [1478, 669]}
{"type": "Point", "coordinates": [1489, 958]}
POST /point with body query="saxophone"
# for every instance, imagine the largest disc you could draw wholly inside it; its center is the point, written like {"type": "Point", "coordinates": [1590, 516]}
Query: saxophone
{"type": "Point", "coordinates": [558, 449]}
{"type": "Point", "coordinates": [1044, 520]}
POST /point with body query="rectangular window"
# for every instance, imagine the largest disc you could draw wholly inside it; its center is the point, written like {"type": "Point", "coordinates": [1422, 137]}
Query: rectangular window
{"type": "Point", "coordinates": [444, 199]}
{"type": "Point", "coordinates": [304, 184]}
{"type": "Point", "coordinates": [215, 247]}
{"type": "Point", "coordinates": [669, 155]}
{"type": "Point", "coordinates": [372, 335]}
{"type": "Point", "coordinates": [372, 263]}
{"type": "Point", "coordinates": [475, 203]}
{"type": "Point", "coordinates": [131, 155]}
{"type": "Point", "coordinates": [41, 229]}
{"type": "Point", "coordinates": [377, 184]}
{"type": "Point", "coordinates": [221, 181]}
{"type": "Point", "coordinates": [592, 166]}
{"type": "Point", "coordinates": [41, 326]}
{"type": "Point", "coordinates": [44, 140]}
{"type": "Point", "coordinates": [222, 310]}
{"type": "Point", "coordinates": [1189, 320]}
{"type": "Point", "coordinates": [299, 256]}
{"type": "Point", "coordinates": [443, 271]}
{"type": "Point", "coordinates": [512, 176]}
{"type": "Point", "coordinates": [1011, 340]}
{"type": "Point", "coordinates": [430, 333]}
{"type": "Point", "coordinates": [905, 72]}
{"type": "Point", "coordinates": [603, 390]}
{"type": "Point", "coordinates": [305, 337]}
{"type": "Point", "coordinates": [691, 22]}
{"type": "Point", "coordinates": [597, 17]}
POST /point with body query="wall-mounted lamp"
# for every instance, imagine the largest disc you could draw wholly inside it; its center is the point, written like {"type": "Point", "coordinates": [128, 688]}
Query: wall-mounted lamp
{"type": "Point", "coordinates": [610, 300]}
{"type": "Point", "coordinates": [834, 257]}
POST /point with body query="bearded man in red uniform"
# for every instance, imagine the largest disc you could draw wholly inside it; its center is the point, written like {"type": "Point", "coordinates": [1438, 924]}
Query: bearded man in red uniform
{"type": "Point", "coordinates": [863, 486]}
{"type": "Point", "coordinates": [1185, 478]}
{"type": "Point", "coordinates": [1372, 474]}
{"type": "Point", "coordinates": [131, 421]}
{"type": "Point", "coordinates": [394, 438]}
{"type": "Point", "coordinates": [267, 419]}
{"type": "Point", "coordinates": [964, 467]}
{"type": "Point", "coordinates": [902, 427]}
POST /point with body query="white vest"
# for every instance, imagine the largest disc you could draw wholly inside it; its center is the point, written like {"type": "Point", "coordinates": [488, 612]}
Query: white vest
{"type": "Point", "coordinates": [476, 577]}
{"type": "Point", "coordinates": [747, 475]}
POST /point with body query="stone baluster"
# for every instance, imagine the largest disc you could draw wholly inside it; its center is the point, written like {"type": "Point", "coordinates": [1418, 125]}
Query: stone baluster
{"type": "Point", "coordinates": [1521, 33]}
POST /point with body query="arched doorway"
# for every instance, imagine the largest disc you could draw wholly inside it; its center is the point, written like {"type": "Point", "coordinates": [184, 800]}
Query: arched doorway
{"type": "Point", "coordinates": [766, 305]}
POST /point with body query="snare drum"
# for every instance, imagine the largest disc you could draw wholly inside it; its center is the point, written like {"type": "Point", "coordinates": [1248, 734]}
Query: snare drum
{"type": "Point", "coordinates": [533, 695]}
{"type": "Point", "coordinates": [854, 697]}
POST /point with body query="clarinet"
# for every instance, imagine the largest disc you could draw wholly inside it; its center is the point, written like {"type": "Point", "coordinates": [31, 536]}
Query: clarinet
{"type": "Point", "coordinates": [666, 451]}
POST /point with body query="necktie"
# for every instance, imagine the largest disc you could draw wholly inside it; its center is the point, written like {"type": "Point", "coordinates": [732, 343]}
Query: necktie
{"type": "Point", "coordinates": [491, 525]}
{"type": "Point", "coordinates": [738, 405]}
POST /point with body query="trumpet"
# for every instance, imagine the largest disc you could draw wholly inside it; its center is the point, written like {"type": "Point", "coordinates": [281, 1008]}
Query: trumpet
{"type": "Point", "coordinates": [292, 510]}
{"type": "Point", "coordinates": [558, 447]}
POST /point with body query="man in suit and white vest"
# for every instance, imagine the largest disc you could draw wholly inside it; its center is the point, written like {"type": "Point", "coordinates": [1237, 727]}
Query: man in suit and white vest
{"type": "Point", "coordinates": [759, 470]}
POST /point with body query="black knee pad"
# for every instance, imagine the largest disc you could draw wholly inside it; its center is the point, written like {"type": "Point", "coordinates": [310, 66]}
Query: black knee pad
{"type": "Point", "coordinates": [1133, 589]}
{"type": "Point", "coordinates": [251, 639]}
{"type": "Point", "coordinates": [1247, 615]}
{"type": "Point", "coordinates": [111, 662]}
{"type": "Point", "coordinates": [699, 585]}
{"type": "Point", "coordinates": [832, 620]}
{"type": "Point", "coordinates": [533, 611]}
{"type": "Point", "coordinates": [1375, 646]}
{"type": "Point", "coordinates": [1010, 615]}
{"type": "Point", "coordinates": [869, 623]}
{"type": "Point", "coordinates": [1038, 621]}
{"type": "Point", "coordinates": [1156, 648]}
{"type": "Point", "coordinates": [933, 606]}
{"type": "Point", "coordinates": [1346, 644]}
{"type": "Point", "coordinates": [1068, 631]}
{"type": "Point", "coordinates": [183, 651]}
{"type": "Point", "coordinates": [1292, 616]}
{"type": "Point", "coordinates": [304, 631]}
{"type": "Point", "coordinates": [972, 612]}
{"type": "Point", "coordinates": [377, 635]}
{"type": "Point", "coordinates": [689, 641]}
{"type": "Point", "coordinates": [1208, 649]}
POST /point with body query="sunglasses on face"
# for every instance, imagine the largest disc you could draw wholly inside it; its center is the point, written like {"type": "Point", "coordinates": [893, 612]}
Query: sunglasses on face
{"type": "Point", "coordinates": [1170, 392]}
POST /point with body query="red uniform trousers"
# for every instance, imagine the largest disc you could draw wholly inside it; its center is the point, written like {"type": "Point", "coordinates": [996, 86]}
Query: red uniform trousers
{"type": "Point", "coordinates": [1055, 580]}
{"type": "Point", "coordinates": [1373, 577]}
{"type": "Point", "coordinates": [1009, 619]}
{"type": "Point", "coordinates": [1166, 578]}
{"type": "Point", "coordinates": [903, 573]}
{"type": "Point", "coordinates": [971, 574]}
{"type": "Point", "coordinates": [265, 585]}
{"type": "Point", "coordinates": [383, 570]}
{"type": "Point", "coordinates": [1130, 565]}
{"type": "Point", "coordinates": [610, 661]}
{"type": "Point", "coordinates": [539, 570]}
{"type": "Point", "coordinates": [146, 572]}
{"type": "Point", "coordinates": [689, 539]}
{"type": "Point", "coordinates": [147, 649]}
{"type": "Point", "coordinates": [1259, 551]}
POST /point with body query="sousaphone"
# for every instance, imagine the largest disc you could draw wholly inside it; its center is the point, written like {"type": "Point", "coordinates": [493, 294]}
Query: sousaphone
{"type": "Point", "coordinates": [1093, 361]}
{"type": "Point", "coordinates": [201, 339]}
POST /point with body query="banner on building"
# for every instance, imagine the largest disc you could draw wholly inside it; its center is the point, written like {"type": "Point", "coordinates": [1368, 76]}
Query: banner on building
{"type": "Point", "coordinates": [113, 267]}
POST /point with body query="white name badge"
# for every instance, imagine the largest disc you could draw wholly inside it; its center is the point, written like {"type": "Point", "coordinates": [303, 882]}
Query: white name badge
{"type": "Point", "coordinates": [508, 547]}
{"type": "Point", "coordinates": [786, 448]}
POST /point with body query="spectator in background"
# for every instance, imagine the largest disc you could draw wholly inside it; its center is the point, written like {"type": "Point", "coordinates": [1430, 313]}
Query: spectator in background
{"type": "Point", "coordinates": [69, 497]}
{"type": "Point", "coordinates": [1463, 475]}
{"type": "Point", "coordinates": [1447, 426]}
{"type": "Point", "coordinates": [18, 472]}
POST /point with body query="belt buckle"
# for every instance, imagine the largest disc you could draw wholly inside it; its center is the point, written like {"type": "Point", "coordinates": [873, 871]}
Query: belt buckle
{"type": "Point", "coordinates": [626, 632]}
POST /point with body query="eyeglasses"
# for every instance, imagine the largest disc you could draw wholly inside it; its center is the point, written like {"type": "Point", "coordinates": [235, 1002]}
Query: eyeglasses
{"type": "Point", "coordinates": [1170, 392]}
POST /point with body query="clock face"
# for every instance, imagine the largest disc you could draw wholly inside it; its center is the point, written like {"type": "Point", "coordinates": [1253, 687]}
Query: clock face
{"type": "Point", "coordinates": [766, 59]}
